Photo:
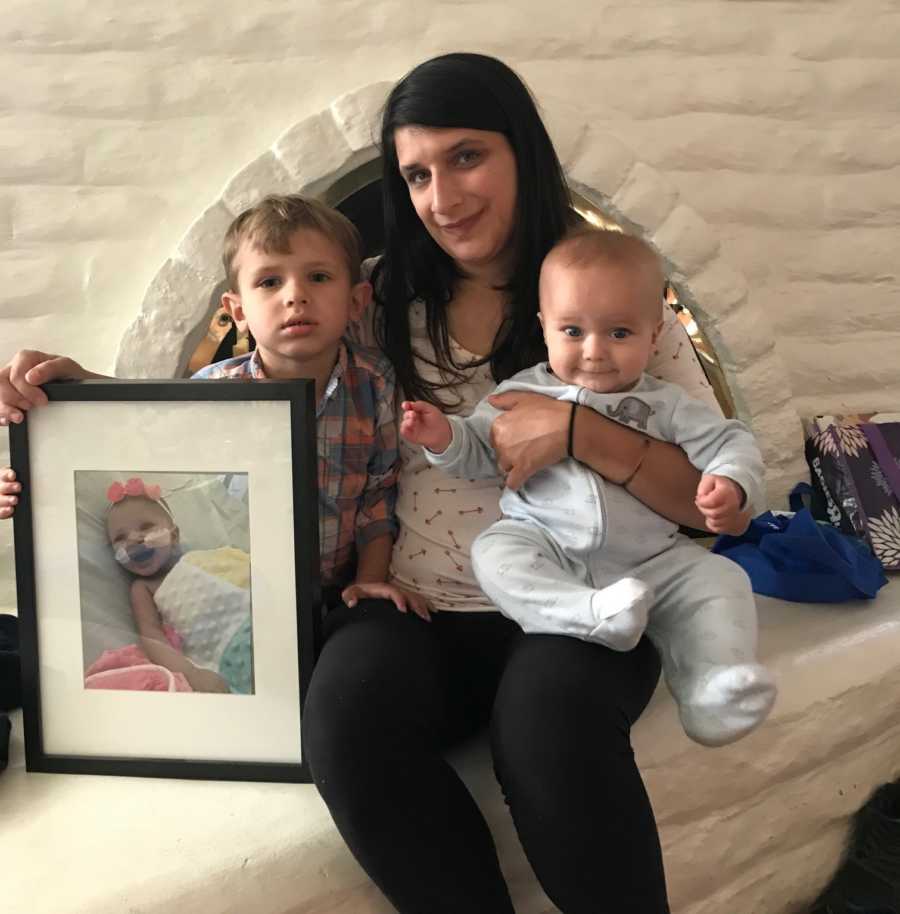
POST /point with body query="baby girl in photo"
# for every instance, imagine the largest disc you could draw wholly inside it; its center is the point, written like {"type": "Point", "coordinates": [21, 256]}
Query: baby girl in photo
{"type": "Point", "coordinates": [191, 610]}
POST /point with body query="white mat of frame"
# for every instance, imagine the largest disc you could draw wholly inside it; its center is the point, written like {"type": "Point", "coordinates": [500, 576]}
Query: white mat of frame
{"type": "Point", "coordinates": [753, 827]}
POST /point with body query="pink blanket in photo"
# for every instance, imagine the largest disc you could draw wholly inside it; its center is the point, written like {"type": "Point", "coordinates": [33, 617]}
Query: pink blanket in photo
{"type": "Point", "coordinates": [130, 668]}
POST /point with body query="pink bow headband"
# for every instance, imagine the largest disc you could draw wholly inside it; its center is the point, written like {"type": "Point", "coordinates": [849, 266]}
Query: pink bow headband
{"type": "Point", "coordinates": [136, 487]}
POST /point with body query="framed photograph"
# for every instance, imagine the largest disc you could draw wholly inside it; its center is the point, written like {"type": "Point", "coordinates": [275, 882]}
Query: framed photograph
{"type": "Point", "coordinates": [167, 562]}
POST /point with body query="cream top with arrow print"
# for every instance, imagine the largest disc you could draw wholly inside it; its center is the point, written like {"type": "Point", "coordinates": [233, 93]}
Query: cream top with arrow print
{"type": "Point", "coordinates": [440, 516]}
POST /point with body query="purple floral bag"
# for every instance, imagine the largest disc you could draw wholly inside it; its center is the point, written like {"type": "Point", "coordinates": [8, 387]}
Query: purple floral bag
{"type": "Point", "coordinates": [855, 470]}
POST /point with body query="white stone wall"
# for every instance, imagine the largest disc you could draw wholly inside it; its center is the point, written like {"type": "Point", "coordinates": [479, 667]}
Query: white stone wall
{"type": "Point", "coordinates": [777, 123]}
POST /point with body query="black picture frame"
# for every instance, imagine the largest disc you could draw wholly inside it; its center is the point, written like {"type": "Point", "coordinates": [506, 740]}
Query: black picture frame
{"type": "Point", "coordinates": [38, 431]}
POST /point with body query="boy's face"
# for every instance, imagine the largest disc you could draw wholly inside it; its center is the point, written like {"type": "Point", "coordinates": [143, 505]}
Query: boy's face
{"type": "Point", "coordinates": [600, 323]}
{"type": "Point", "coordinates": [142, 534]}
{"type": "Point", "coordinates": [297, 305]}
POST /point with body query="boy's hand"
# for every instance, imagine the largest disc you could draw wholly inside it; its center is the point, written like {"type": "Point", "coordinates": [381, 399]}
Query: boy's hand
{"type": "Point", "coordinates": [402, 599]}
{"type": "Point", "coordinates": [19, 380]}
{"type": "Point", "coordinates": [422, 423]}
{"type": "Point", "coordinates": [719, 501]}
{"type": "Point", "coordinates": [8, 492]}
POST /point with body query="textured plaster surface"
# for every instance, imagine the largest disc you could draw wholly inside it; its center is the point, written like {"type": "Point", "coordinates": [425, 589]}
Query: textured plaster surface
{"type": "Point", "coordinates": [776, 123]}
{"type": "Point", "coordinates": [754, 828]}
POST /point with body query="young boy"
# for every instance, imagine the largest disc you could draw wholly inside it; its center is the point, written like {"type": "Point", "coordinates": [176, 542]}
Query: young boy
{"type": "Point", "coordinates": [576, 555]}
{"type": "Point", "coordinates": [293, 270]}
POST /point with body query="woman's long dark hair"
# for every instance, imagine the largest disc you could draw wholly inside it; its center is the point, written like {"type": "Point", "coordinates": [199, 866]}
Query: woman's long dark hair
{"type": "Point", "coordinates": [481, 93]}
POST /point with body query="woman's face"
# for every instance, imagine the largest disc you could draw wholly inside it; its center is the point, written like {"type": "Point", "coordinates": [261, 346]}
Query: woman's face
{"type": "Point", "coordinates": [462, 184]}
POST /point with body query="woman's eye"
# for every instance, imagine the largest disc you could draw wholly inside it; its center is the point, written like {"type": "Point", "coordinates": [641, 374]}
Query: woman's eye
{"type": "Point", "coordinates": [468, 157]}
{"type": "Point", "coordinates": [417, 178]}
{"type": "Point", "coordinates": [620, 333]}
{"type": "Point", "coordinates": [573, 332]}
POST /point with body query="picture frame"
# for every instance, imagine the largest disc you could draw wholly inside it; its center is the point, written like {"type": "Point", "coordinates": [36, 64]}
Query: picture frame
{"type": "Point", "coordinates": [166, 543]}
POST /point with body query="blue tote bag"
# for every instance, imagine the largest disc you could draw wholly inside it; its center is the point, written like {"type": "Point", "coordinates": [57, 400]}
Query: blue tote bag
{"type": "Point", "coordinates": [797, 559]}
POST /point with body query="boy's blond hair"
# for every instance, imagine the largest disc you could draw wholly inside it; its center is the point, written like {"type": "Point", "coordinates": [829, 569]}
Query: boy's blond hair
{"type": "Point", "coordinates": [586, 246]}
{"type": "Point", "coordinates": [270, 223]}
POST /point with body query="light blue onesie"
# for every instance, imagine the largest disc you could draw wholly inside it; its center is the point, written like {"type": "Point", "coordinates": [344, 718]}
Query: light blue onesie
{"type": "Point", "coordinates": [576, 555]}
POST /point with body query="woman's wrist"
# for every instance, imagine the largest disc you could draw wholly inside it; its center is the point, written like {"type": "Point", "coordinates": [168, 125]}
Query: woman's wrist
{"type": "Point", "coordinates": [640, 462]}
{"type": "Point", "coordinates": [608, 447]}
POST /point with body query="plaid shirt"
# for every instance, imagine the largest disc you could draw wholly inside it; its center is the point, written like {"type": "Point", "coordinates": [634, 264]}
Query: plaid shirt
{"type": "Point", "coordinates": [358, 452]}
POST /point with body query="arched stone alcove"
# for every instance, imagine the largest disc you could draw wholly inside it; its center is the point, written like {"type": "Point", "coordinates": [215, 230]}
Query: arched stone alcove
{"type": "Point", "coordinates": [319, 154]}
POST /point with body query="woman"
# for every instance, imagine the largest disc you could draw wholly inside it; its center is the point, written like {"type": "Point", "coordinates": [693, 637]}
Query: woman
{"type": "Point", "coordinates": [474, 197]}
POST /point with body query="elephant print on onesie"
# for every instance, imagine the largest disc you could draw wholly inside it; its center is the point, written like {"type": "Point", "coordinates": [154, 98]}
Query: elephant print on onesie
{"type": "Point", "coordinates": [631, 409]}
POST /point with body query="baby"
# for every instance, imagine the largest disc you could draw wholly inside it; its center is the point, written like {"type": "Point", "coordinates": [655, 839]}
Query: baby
{"type": "Point", "coordinates": [215, 653]}
{"type": "Point", "coordinates": [577, 555]}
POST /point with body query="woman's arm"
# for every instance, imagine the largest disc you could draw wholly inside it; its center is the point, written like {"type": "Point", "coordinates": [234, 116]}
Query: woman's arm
{"type": "Point", "coordinates": [533, 433]}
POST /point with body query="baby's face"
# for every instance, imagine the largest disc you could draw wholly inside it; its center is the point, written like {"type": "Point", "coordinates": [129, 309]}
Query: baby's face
{"type": "Point", "coordinates": [600, 324]}
{"type": "Point", "coordinates": [142, 534]}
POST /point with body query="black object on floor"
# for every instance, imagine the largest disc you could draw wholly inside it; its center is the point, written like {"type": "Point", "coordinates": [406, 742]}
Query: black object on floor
{"type": "Point", "coordinates": [5, 727]}
{"type": "Point", "coordinates": [10, 679]}
{"type": "Point", "coordinates": [868, 879]}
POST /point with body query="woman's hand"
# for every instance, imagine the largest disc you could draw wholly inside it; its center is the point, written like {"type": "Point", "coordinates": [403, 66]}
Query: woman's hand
{"type": "Point", "coordinates": [19, 390]}
{"type": "Point", "coordinates": [423, 423]}
{"type": "Point", "coordinates": [9, 489]}
{"type": "Point", "coordinates": [402, 599]}
{"type": "Point", "coordinates": [530, 435]}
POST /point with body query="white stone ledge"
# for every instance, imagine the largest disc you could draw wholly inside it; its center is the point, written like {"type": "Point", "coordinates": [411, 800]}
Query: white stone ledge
{"type": "Point", "coordinates": [875, 399]}
{"type": "Point", "coordinates": [754, 827]}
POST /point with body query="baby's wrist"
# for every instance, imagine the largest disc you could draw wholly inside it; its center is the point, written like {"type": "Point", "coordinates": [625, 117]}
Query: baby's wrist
{"type": "Point", "coordinates": [440, 441]}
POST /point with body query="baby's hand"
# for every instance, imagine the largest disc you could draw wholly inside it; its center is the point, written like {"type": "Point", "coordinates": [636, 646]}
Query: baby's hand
{"type": "Point", "coordinates": [202, 680]}
{"type": "Point", "coordinates": [422, 423]}
{"type": "Point", "coordinates": [8, 492]}
{"type": "Point", "coordinates": [719, 501]}
{"type": "Point", "coordinates": [402, 599]}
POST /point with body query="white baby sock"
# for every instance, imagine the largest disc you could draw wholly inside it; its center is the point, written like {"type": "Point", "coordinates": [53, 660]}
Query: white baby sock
{"type": "Point", "coordinates": [727, 702]}
{"type": "Point", "coordinates": [621, 613]}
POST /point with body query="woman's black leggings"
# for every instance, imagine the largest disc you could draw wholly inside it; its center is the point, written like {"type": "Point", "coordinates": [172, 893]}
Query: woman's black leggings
{"type": "Point", "coordinates": [390, 691]}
